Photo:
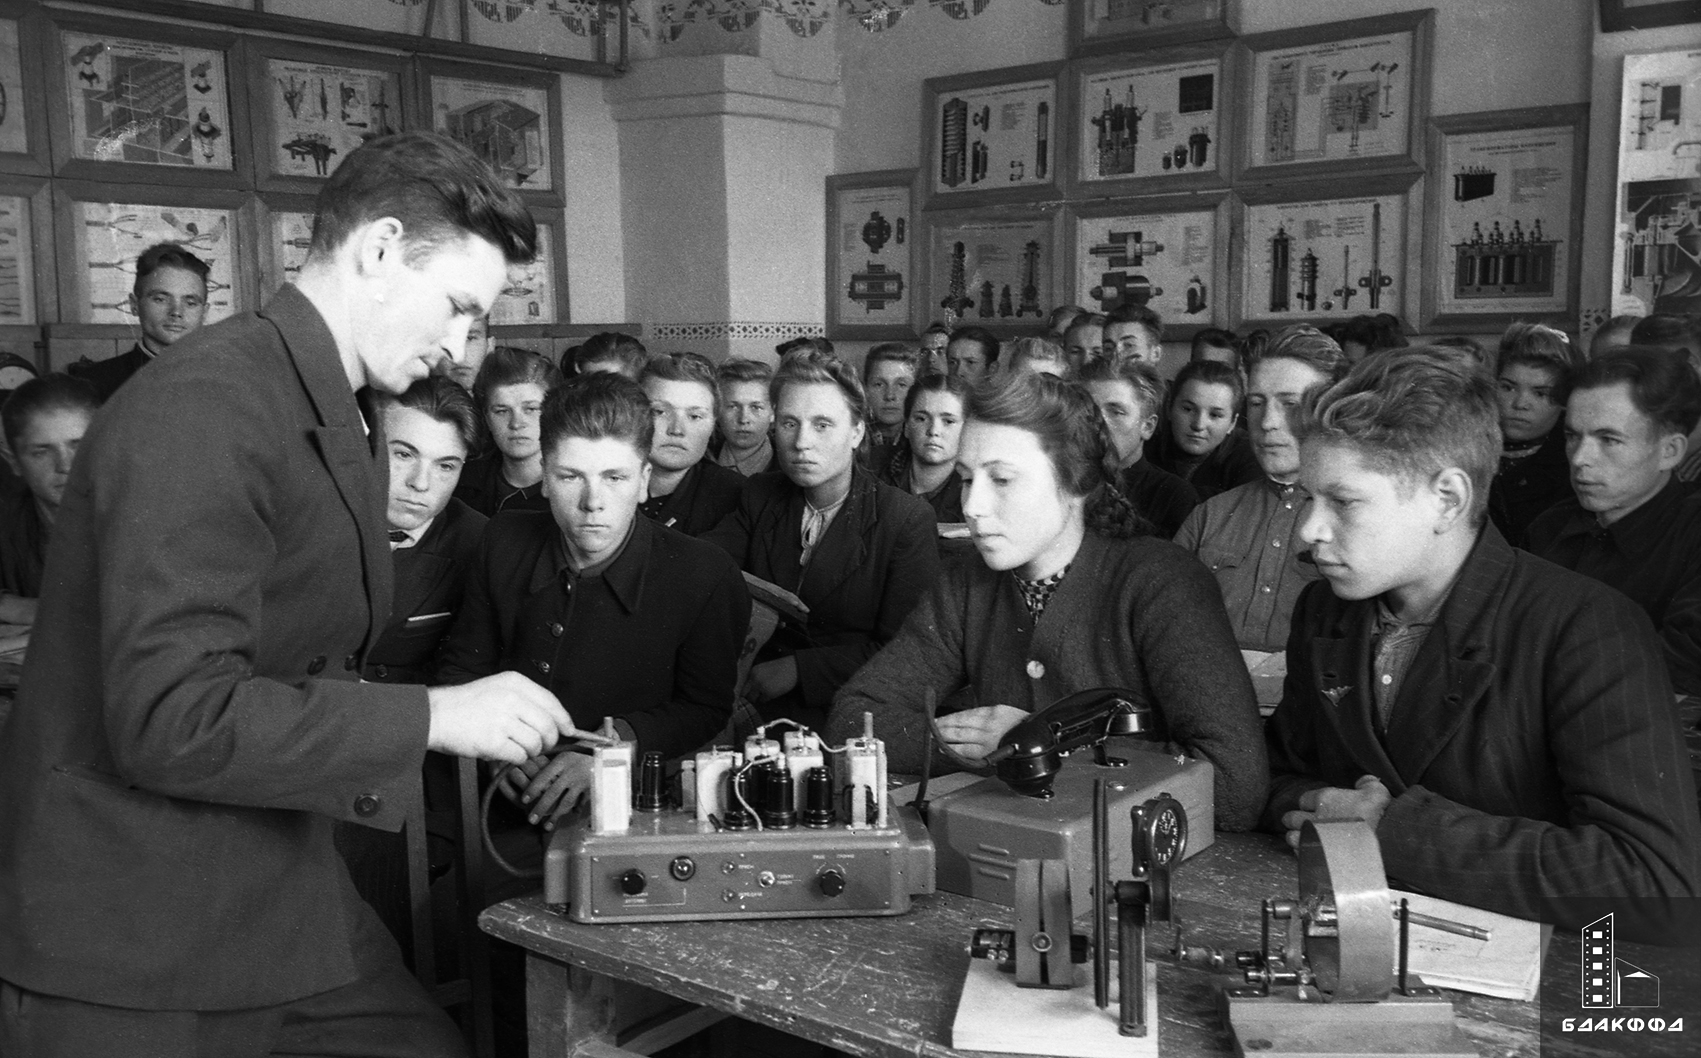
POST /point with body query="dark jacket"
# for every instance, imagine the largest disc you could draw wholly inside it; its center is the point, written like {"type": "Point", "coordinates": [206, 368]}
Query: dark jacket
{"type": "Point", "coordinates": [1524, 488]}
{"type": "Point", "coordinates": [485, 490]}
{"type": "Point", "coordinates": [707, 493]}
{"type": "Point", "coordinates": [430, 580]}
{"type": "Point", "coordinates": [23, 542]}
{"type": "Point", "coordinates": [1533, 752]}
{"type": "Point", "coordinates": [1162, 498]}
{"type": "Point", "coordinates": [1227, 466]}
{"type": "Point", "coordinates": [871, 567]}
{"type": "Point", "coordinates": [191, 720]}
{"type": "Point", "coordinates": [653, 641]}
{"type": "Point", "coordinates": [946, 500]}
{"type": "Point", "coordinates": [107, 375]}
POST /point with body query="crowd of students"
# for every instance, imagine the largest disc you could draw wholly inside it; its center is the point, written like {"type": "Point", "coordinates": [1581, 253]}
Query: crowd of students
{"type": "Point", "coordinates": [1483, 566]}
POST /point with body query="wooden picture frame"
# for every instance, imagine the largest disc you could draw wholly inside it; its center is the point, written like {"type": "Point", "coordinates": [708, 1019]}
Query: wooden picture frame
{"type": "Point", "coordinates": [509, 117]}
{"type": "Point", "coordinates": [1151, 122]}
{"type": "Point", "coordinates": [1098, 27]}
{"type": "Point", "coordinates": [313, 105]}
{"type": "Point", "coordinates": [534, 298]}
{"type": "Point", "coordinates": [1503, 228]}
{"type": "Point", "coordinates": [871, 256]}
{"type": "Point", "coordinates": [99, 231]}
{"type": "Point", "coordinates": [1657, 182]}
{"type": "Point", "coordinates": [1003, 252]}
{"type": "Point", "coordinates": [976, 160]}
{"type": "Point", "coordinates": [1620, 15]}
{"type": "Point", "coordinates": [1169, 252]}
{"type": "Point", "coordinates": [283, 224]}
{"type": "Point", "coordinates": [1326, 251]}
{"type": "Point", "coordinates": [139, 103]}
{"type": "Point", "coordinates": [29, 294]}
{"type": "Point", "coordinates": [1347, 98]}
{"type": "Point", "coordinates": [24, 142]}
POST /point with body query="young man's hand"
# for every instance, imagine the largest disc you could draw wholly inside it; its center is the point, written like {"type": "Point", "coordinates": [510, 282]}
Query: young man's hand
{"type": "Point", "coordinates": [1331, 804]}
{"type": "Point", "coordinates": [974, 733]}
{"type": "Point", "coordinates": [556, 789]}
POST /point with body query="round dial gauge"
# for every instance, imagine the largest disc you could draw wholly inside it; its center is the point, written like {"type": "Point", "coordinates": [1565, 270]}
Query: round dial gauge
{"type": "Point", "coordinates": [1165, 831]}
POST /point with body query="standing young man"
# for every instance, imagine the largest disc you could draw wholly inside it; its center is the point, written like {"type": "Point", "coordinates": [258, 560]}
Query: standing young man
{"type": "Point", "coordinates": [191, 722]}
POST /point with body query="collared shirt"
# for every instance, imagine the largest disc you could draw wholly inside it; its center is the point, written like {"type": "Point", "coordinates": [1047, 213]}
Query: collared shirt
{"type": "Point", "coordinates": [561, 567]}
{"type": "Point", "coordinates": [1652, 554]}
{"type": "Point", "coordinates": [1036, 593]}
{"type": "Point", "coordinates": [1249, 538]}
{"type": "Point", "coordinates": [756, 461]}
{"type": "Point", "coordinates": [410, 537]}
{"type": "Point", "coordinates": [1394, 646]}
{"type": "Point", "coordinates": [816, 521]}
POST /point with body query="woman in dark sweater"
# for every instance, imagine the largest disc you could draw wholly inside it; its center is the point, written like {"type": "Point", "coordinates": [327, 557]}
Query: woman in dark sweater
{"type": "Point", "coordinates": [926, 463]}
{"type": "Point", "coordinates": [1201, 442]}
{"type": "Point", "coordinates": [1535, 369]}
{"type": "Point", "coordinates": [1068, 596]}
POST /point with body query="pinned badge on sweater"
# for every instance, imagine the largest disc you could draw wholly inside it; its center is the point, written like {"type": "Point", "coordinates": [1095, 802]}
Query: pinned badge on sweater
{"type": "Point", "coordinates": [1335, 694]}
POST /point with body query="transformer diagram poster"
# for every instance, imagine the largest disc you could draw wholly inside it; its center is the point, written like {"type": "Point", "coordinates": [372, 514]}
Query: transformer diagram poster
{"type": "Point", "coordinates": [146, 102]}
{"type": "Point", "coordinates": [292, 236]}
{"type": "Point", "coordinates": [992, 272]}
{"type": "Point", "coordinates": [1657, 252]}
{"type": "Point", "coordinates": [1332, 101]}
{"type": "Point", "coordinates": [995, 137]}
{"type": "Point", "coordinates": [1162, 260]}
{"type": "Point", "coordinates": [17, 263]}
{"type": "Point", "coordinates": [1330, 259]}
{"type": "Point", "coordinates": [507, 125]}
{"type": "Point", "coordinates": [529, 296]}
{"type": "Point", "coordinates": [13, 137]}
{"type": "Point", "coordinates": [114, 234]}
{"type": "Point", "coordinates": [1152, 121]}
{"type": "Point", "coordinates": [320, 113]}
{"type": "Point", "coordinates": [872, 244]}
{"type": "Point", "coordinates": [1505, 221]}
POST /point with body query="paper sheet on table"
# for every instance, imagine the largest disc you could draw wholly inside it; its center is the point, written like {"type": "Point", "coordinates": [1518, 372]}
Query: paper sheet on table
{"type": "Point", "coordinates": [995, 1015]}
{"type": "Point", "coordinates": [1508, 965]}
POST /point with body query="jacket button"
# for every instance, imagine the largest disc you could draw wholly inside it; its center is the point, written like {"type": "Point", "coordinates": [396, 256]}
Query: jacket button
{"type": "Point", "coordinates": [543, 666]}
{"type": "Point", "coordinates": [1035, 669]}
{"type": "Point", "coordinates": [556, 629]}
{"type": "Point", "coordinates": [316, 666]}
{"type": "Point", "coordinates": [351, 663]}
{"type": "Point", "coordinates": [367, 805]}
{"type": "Point", "coordinates": [382, 671]}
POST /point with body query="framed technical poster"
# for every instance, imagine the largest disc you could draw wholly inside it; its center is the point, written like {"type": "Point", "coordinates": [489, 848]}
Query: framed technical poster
{"type": "Point", "coordinates": [992, 136]}
{"type": "Point", "coordinates": [1100, 26]}
{"type": "Point", "coordinates": [1165, 253]}
{"type": "Point", "coordinates": [100, 239]}
{"type": "Point", "coordinates": [26, 251]}
{"type": "Point", "coordinates": [531, 295]}
{"type": "Point", "coordinates": [871, 255]}
{"type": "Point", "coordinates": [1349, 97]}
{"type": "Point", "coordinates": [23, 118]}
{"type": "Point", "coordinates": [1150, 122]}
{"type": "Point", "coordinates": [992, 269]}
{"type": "Point", "coordinates": [135, 103]}
{"type": "Point", "coordinates": [506, 116]}
{"type": "Point", "coordinates": [286, 233]}
{"type": "Point", "coordinates": [1505, 218]}
{"type": "Point", "coordinates": [314, 105]}
{"type": "Point", "coordinates": [1656, 259]}
{"type": "Point", "coordinates": [1316, 258]}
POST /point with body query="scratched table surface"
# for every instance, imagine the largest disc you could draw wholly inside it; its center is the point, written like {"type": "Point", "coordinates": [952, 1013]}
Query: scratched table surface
{"type": "Point", "coordinates": [885, 987]}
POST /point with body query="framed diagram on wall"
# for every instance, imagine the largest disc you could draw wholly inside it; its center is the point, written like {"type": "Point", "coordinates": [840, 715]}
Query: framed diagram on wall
{"type": "Point", "coordinates": [285, 226]}
{"type": "Point", "coordinates": [1348, 97]}
{"type": "Point", "coordinates": [1505, 218]}
{"type": "Point", "coordinates": [314, 105]}
{"type": "Point", "coordinates": [871, 255]}
{"type": "Point", "coordinates": [991, 268]}
{"type": "Point", "coordinates": [1656, 256]}
{"type": "Point", "coordinates": [992, 136]}
{"type": "Point", "coordinates": [23, 117]}
{"type": "Point", "coordinates": [535, 293]}
{"type": "Point", "coordinates": [130, 103]}
{"type": "Point", "coordinates": [1166, 253]}
{"type": "Point", "coordinates": [507, 117]}
{"type": "Point", "coordinates": [1150, 121]}
{"type": "Point", "coordinates": [1326, 255]}
{"type": "Point", "coordinates": [26, 251]}
{"type": "Point", "coordinates": [1099, 26]}
{"type": "Point", "coordinates": [99, 240]}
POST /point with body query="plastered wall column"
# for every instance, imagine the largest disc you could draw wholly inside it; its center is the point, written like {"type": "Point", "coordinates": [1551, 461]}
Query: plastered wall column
{"type": "Point", "coordinates": [724, 155]}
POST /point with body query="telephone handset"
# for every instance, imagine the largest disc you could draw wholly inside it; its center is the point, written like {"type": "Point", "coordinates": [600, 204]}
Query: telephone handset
{"type": "Point", "coordinates": [1032, 752]}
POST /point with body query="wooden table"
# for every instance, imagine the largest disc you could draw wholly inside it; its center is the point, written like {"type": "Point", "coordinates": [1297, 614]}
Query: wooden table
{"type": "Point", "coordinates": [888, 987]}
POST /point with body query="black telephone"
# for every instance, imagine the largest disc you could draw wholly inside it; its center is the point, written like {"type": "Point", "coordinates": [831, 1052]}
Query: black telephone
{"type": "Point", "coordinates": [1032, 752]}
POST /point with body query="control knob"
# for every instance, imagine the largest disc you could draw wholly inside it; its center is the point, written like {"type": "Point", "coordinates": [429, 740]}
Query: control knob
{"type": "Point", "coordinates": [632, 881]}
{"type": "Point", "coordinates": [831, 882]}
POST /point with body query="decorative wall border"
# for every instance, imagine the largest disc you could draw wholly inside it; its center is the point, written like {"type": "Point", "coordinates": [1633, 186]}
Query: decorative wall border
{"type": "Point", "coordinates": [662, 333]}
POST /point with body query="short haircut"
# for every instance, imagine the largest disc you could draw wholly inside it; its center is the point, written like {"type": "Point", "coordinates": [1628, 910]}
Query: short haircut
{"type": "Point", "coordinates": [1668, 330]}
{"type": "Point", "coordinates": [599, 405]}
{"type": "Point", "coordinates": [937, 328]}
{"type": "Point", "coordinates": [980, 336]}
{"type": "Point", "coordinates": [1253, 345]}
{"type": "Point", "coordinates": [1540, 346]}
{"type": "Point", "coordinates": [1215, 373]}
{"type": "Point", "coordinates": [1309, 346]}
{"type": "Point", "coordinates": [889, 353]}
{"type": "Point", "coordinates": [810, 367]}
{"type": "Point", "coordinates": [935, 382]}
{"type": "Point", "coordinates": [684, 367]}
{"type": "Point", "coordinates": [49, 393]}
{"type": "Point", "coordinates": [738, 369]}
{"type": "Point", "coordinates": [1213, 338]}
{"type": "Point", "coordinates": [1086, 319]}
{"type": "Point", "coordinates": [1613, 333]}
{"type": "Point", "coordinates": [1142, 315]}
{"type": "Point", "coordinates": [169, 255]}
{"type": "Point", "coordinates": [1026, 350]}
{"type": "Point", "coordinates": [1413, 416]}
{"type": "Point", "coordinates": [439, 190]}
{"type": "Point", "coordinates": [1469, 345]}
{"type": "Point", "coordinates": [1663, 385]}
{"type": "Point", "coordinates": [443, 399]}
{"type": "Point", "coordinates": [509, 365]}
{"type": "Point", "coordinates": [1147, 384]}
{"type": "Point", "coordinates": [1062, 313]}
{"type": "Point", "coordinates": [1380, 331]}
{"type": "Point", "coordinates": [611, 346]}
{"type": "Point", "coordinates": [815, 345]}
